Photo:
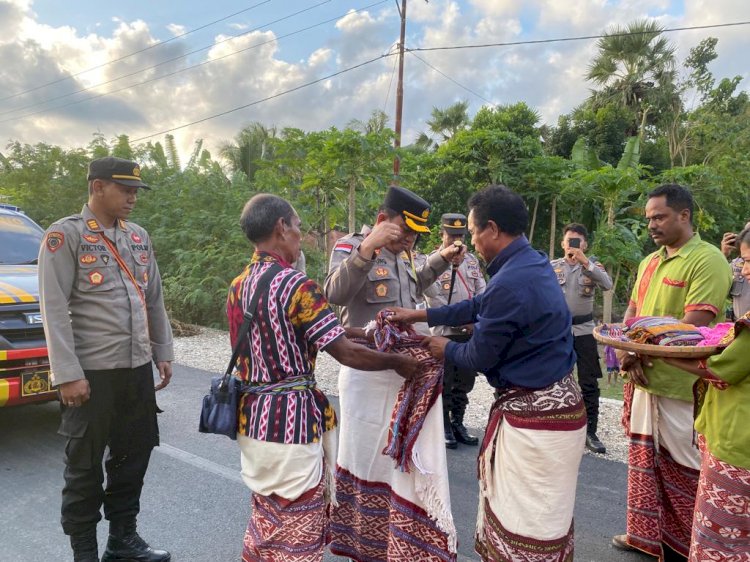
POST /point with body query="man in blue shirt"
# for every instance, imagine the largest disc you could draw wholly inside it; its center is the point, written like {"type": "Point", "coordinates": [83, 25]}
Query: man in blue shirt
{"type": "Point", "coordinates": [523, 343]}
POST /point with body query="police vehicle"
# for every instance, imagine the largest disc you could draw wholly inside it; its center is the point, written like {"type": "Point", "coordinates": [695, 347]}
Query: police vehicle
{"type": "Point", "coordinates": [24, 365]}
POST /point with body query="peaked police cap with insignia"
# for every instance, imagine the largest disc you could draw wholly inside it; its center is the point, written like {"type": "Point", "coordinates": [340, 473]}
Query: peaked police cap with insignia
{"type": "Point", "coordinates": [118, 170]}
{"type": "Point", "coordinates": [454, 223]}
{"type": "Point", "coordinates": [410, 206]}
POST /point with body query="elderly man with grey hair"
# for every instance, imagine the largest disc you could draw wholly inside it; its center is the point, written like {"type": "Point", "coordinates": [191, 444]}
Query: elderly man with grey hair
{"type": "Point", "coordinates": [287, 432]}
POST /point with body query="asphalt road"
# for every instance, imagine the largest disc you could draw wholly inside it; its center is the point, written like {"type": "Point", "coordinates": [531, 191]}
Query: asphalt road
{"type": "Point", "coordinates": [195, 504]}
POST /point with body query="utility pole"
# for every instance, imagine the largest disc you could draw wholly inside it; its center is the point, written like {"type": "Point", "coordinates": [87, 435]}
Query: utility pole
{"type": "Point", "coordinates": [399, 89]}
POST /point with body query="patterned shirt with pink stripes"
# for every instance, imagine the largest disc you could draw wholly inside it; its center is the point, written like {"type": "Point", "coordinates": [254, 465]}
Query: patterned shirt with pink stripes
{"type": "Point", "coordinates": [292, 323]}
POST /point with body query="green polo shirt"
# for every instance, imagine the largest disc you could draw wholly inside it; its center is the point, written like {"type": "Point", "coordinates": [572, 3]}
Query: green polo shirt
{"type": "Point", "coordinates": [696, 277]}
{"type": "Point", "coordinates": [723, 419]}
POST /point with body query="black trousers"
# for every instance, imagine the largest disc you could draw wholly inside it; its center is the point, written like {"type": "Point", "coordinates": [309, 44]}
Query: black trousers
{"type": "Point", "coordinates": [457, 383]}
{"type": "Point", "coordinates": [589, 371]}
{"type": "Point", "coordinates": [120, 415]}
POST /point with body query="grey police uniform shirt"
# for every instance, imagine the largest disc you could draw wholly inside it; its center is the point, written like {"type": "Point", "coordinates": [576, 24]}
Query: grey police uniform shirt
{"type": "Point", "coordinates": [578, 284]}
{"type": "Point", "coordinates": [363, 287]}
{"type": "Point", "coordinates": [469, 283]}
{"type": "Point", "coordinates": [740, 291]}
{"type": "Point", "coordinates": [93, 315]}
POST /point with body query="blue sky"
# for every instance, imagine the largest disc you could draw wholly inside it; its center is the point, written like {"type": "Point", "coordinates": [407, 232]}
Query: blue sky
{"type": "Point", "coordinates": [46, 40]}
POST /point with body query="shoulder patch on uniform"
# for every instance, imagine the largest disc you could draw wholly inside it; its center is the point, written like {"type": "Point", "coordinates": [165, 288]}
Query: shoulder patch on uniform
{"type": "Point", "coordinates": [343, 247]}
{"type": "Point", "coordinates": [54, 240]}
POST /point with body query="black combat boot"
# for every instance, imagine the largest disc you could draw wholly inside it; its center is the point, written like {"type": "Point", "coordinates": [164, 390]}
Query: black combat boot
{"type": "Point", "coordinates": [126, 545]}
{"type": "Point", "coordinates": [450, 441]}
{"type": "Point", "coordinates": [85, 548]}
{"type": "Point", "coordinates": [460, 432]}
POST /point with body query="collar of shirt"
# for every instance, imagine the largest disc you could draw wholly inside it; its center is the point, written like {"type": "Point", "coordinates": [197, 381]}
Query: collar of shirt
{"type": "Point", "coordinates": [93, 224]}
{"type": "Point", "coordinates": [260, 255]}
{"type": "Point", "coordinates": [684, 250]}
{"type": "Point", "coordinates": [506, 253]}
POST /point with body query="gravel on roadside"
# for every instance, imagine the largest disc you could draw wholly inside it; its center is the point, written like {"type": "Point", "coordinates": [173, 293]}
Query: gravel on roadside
{"type": "Point", "coordinates": [210, 351]}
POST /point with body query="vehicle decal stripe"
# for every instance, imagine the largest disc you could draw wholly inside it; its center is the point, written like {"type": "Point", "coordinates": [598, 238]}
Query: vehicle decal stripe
{"type": "Point", "coordinates": [16, 291]}
{"type": "Point", "coordinates": [6, 298]}
{"type": "Point", "coordinates": [4, 392]}
{"type": "Point", "coordinates": [23, 353]}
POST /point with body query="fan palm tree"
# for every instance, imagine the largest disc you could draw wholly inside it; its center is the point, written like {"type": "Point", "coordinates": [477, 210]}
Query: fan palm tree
{"type": "Point", "coordinates": [444, 123]}
{"type": "Point", "coordinates": [632, 65]}
{"type": "Point", "coordinates": [250, 145]}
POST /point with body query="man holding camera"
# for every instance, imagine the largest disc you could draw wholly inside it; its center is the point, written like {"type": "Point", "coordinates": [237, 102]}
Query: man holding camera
{"type": "Point", "coordinates": [578, 276]}
{"type": "Point", "coordinates": [461, 282]}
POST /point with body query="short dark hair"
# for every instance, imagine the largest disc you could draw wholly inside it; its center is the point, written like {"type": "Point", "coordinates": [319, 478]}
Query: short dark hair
{"type": "Point", "coordinates": [678, 197]}
{"type": "Point", "coordinates": [578, 229]}
{"type": "Point", "coordinates": [504, 207]}
{"type": "Point", "coordinates": [743, 238]}
{"type": "Point", "coordinates": [260, 215]}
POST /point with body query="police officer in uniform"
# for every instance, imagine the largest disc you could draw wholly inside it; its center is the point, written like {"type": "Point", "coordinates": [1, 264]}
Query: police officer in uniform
{"type": "Point", "coordinates": [578, 276]}
{"type": "Point", "coordinates": [467, 283]}
{"type": "Point", "coordinates": [368, 273]}
{"type": "Point", "coordinates": [740, 291]}
{"type": "Point", "coordinates": [105, 322]}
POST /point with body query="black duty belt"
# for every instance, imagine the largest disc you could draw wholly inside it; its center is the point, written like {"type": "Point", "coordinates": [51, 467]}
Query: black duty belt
{"type": "Point", "coordinates": [582, 319]}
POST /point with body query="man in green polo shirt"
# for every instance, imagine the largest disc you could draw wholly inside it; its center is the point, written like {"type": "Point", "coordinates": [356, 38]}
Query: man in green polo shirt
{"type": "Point", "coordinates": [688, 279]}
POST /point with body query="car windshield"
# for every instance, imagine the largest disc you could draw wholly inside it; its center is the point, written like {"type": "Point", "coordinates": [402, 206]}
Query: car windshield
{"type": "Point", "coordinates": [19, 239]}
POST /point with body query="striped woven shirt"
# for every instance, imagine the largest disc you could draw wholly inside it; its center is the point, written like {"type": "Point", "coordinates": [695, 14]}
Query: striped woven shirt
{"type": "Point", "coordinates": [293, 321]}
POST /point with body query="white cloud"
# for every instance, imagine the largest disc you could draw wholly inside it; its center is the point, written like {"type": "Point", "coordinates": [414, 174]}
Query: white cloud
{"type": "Point", "coordinates": [176, 29]}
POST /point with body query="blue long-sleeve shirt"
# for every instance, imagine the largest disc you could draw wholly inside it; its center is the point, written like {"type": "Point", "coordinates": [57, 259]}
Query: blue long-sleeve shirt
{"type": "Point", "coordinates": [522, 325]}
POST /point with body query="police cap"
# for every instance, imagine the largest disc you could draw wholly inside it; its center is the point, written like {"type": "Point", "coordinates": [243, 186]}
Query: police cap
{"type": "Point", "coordinates": [410, 206]}
{"type": "Point", "coordinates": [454, 223]}
{"type": "Point", "coordinates": [118, 170]}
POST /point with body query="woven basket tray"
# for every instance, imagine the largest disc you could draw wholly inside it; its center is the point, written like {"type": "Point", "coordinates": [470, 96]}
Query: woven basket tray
{"type": "Point", "coordinates": [611, 334]}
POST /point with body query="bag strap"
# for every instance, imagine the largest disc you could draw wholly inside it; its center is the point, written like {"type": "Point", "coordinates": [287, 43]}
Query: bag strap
{"type": "Point", "coordinates": [124, 267]}
{"type": "Point", "coordinates": [263, 283]}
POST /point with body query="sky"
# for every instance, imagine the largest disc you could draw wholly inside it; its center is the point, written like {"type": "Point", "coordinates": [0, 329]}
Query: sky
{"type": "Point", "coordinates": [73, 69]}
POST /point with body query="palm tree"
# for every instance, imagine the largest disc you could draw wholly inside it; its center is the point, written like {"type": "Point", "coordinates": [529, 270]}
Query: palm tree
{"type": "Point", "coordinates": [375, 124]}
{"type": "Point", "coordinates": [444, 123]}
{"type": "Point", "coordinates": [250, 145]}
{"type": "Point", "coordinates": [632, 65]}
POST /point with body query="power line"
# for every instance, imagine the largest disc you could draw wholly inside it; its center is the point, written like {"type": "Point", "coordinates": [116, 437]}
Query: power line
{"type": "Point", "coordinates": [156, 78]}
{"type": "Point", "coordinates": [159, 44]}
{"type": "Point", "coordinates": [451, 79]}
{"type": "Point", "coordinates": [162, 63]}
{"type": "Point", "coordinates": [580, 38]}
{"type": "Point", "coordinates": [390, 83]}
{"type": "Point", "coordinates": [256, 102]}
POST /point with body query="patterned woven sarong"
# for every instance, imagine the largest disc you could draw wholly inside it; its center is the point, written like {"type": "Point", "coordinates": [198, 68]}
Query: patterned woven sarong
{"type": "Point", "coordinates": [393, 510]}
{"type": "Point", "coordinates": [528, 470]}
{"type": "Point", "coordinates": [281, 530]}
{"type": "Point", "coordinates": [661, 491]}
{"type": "Point", "coordinates": [721, 525]}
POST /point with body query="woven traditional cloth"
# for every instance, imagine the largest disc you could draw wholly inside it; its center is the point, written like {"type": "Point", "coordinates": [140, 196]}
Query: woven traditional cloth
{"type": "Point", "coordinates": [416, 396]}
{"type": "Point", "coordinates": [658, 330]}
{"type": "Point", "coordinates": [280, 530]}
{"type": "Point", "coordinates": [662, 472]}
{"type": "Point", "coordinates": [393, 510]}
{"type": "Point", "coordinates": [721, 524]}
{"type": "Point", "coordinates": [528, 470]}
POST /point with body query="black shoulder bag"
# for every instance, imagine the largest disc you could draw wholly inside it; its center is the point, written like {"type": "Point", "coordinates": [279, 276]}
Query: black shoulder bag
{"type": "Point", "coordinates": [220, 410]}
